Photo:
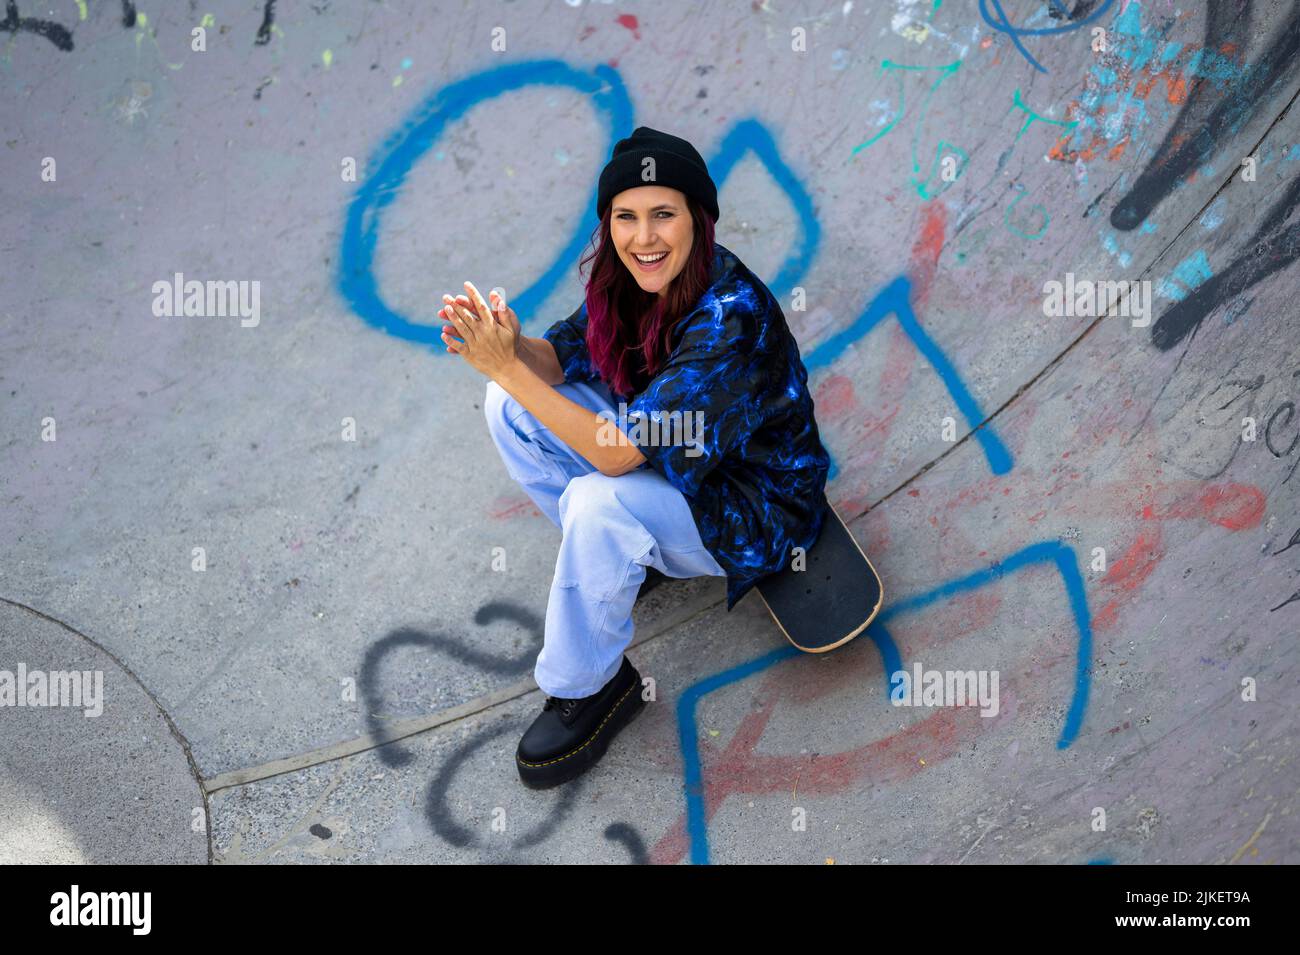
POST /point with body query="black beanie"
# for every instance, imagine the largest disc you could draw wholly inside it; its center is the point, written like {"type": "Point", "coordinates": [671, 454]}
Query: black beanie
{"type": "Point", "coordinates": [677, 165]}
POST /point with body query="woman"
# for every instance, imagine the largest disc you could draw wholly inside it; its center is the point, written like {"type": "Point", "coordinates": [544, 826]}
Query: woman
{"type": "Point", "coordinates": [711, 463]}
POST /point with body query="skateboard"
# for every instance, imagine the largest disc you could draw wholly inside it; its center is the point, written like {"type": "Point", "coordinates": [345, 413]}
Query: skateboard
{"type": "Point", "coordinates": [832, 599]}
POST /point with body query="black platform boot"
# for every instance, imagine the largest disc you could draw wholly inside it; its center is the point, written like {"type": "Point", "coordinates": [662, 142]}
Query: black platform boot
{"type": "Point", "coordinates": [569, 736]}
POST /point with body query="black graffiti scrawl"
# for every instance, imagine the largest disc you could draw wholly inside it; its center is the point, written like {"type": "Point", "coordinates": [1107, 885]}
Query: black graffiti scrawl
{"type": "Point", "coordinates": [1273, 247]}
{"type": "Point", "coordinates": [394, 755]}
{"type": "Point", "coordinates": [442, 820]}
{"type": "Point", "coordinates": [1192, 141]}
{"type": "Point", "coordinates": [61, 36]}
{"type": "Point", "coordinates": [56, 33]}
{"type": "Point", "coordinates": [1197, 128]}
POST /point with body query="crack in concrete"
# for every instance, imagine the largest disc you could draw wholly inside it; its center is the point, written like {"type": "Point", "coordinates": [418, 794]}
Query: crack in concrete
{"type": "Point", "coordinates": [171, 724]}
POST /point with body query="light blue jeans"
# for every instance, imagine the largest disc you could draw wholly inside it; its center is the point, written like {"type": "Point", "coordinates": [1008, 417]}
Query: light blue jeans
{"type": "Point", "coordinates": [612, 527]}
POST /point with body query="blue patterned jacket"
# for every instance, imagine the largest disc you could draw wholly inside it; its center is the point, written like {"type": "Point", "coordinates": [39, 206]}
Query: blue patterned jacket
{"type": "Point", "coordinates": [755, 473]}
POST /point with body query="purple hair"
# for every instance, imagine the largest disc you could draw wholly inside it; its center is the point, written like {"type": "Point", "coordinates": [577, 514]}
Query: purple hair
{"type": "Point", "coordinates": [629, 330]}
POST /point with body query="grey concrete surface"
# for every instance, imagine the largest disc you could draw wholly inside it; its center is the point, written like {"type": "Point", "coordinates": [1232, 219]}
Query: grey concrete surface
{"type": "Point", "coordinates": [102, 776]}
{"type": "Point", "coordinates": [349, 673]}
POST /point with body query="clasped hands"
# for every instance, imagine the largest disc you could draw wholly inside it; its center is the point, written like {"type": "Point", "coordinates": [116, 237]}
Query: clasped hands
{"type": "Point", "coordinates": [489, 337]}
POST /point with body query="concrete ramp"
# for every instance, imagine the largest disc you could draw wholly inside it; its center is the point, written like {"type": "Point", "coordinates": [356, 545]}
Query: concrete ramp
{"type": "Point", "coordinates": [271, 527]}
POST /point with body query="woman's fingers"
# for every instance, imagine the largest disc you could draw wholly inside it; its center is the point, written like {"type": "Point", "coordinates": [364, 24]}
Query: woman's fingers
{"type": "Point", "coordinates": [474, 303]}
{"type": "Point", "coordinates": [463, 325]}
{"type": "Point", "coordinates": [480, 305]}
{"type": "Point", "coordinates": [508, 317]}
{"type": "Point", "coordinates": [467, 310]}
{"type": "Point", "coordinates": [503, 312]}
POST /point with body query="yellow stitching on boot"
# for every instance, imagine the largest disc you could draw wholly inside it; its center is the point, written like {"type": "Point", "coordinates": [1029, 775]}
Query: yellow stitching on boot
{"type": "Point", "coordinates": [612, 710]}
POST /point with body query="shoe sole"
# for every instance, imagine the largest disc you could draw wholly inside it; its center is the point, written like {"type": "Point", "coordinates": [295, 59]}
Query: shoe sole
{"type": "Point", "coordinates": [573, 764]}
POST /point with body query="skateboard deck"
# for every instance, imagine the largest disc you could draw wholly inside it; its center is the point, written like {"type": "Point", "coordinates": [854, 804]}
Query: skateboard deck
{"type": "Point", "coordinates": [833, 599]}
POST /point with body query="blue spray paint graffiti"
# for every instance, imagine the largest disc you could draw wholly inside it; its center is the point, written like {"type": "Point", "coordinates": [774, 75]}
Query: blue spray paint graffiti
{"type": "Point", "coordinates": [388, 170]}
{"type": "Point", "coordinates": [750, 135]}
{"type": "Point", "coordinates": [1003, 25]}
{"type": "Point", "coordinates": [1053, 553]}
{"type": "Point", "coordinates": [896, 299]}
{"type": "Point", "coordinates": [394, 160]}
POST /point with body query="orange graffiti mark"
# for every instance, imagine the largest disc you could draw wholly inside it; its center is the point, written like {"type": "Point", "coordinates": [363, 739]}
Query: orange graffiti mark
{"type": "Point", "coordinates": [741, 769]}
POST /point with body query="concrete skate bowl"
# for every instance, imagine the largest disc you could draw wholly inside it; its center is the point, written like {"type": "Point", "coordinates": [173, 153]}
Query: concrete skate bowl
{"type": "Point", "coordinates": [289, 522]}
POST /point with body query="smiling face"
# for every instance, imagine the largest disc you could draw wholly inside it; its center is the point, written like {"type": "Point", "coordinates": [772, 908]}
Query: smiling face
{"type": "Point", "coordinates": [645, 223]}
